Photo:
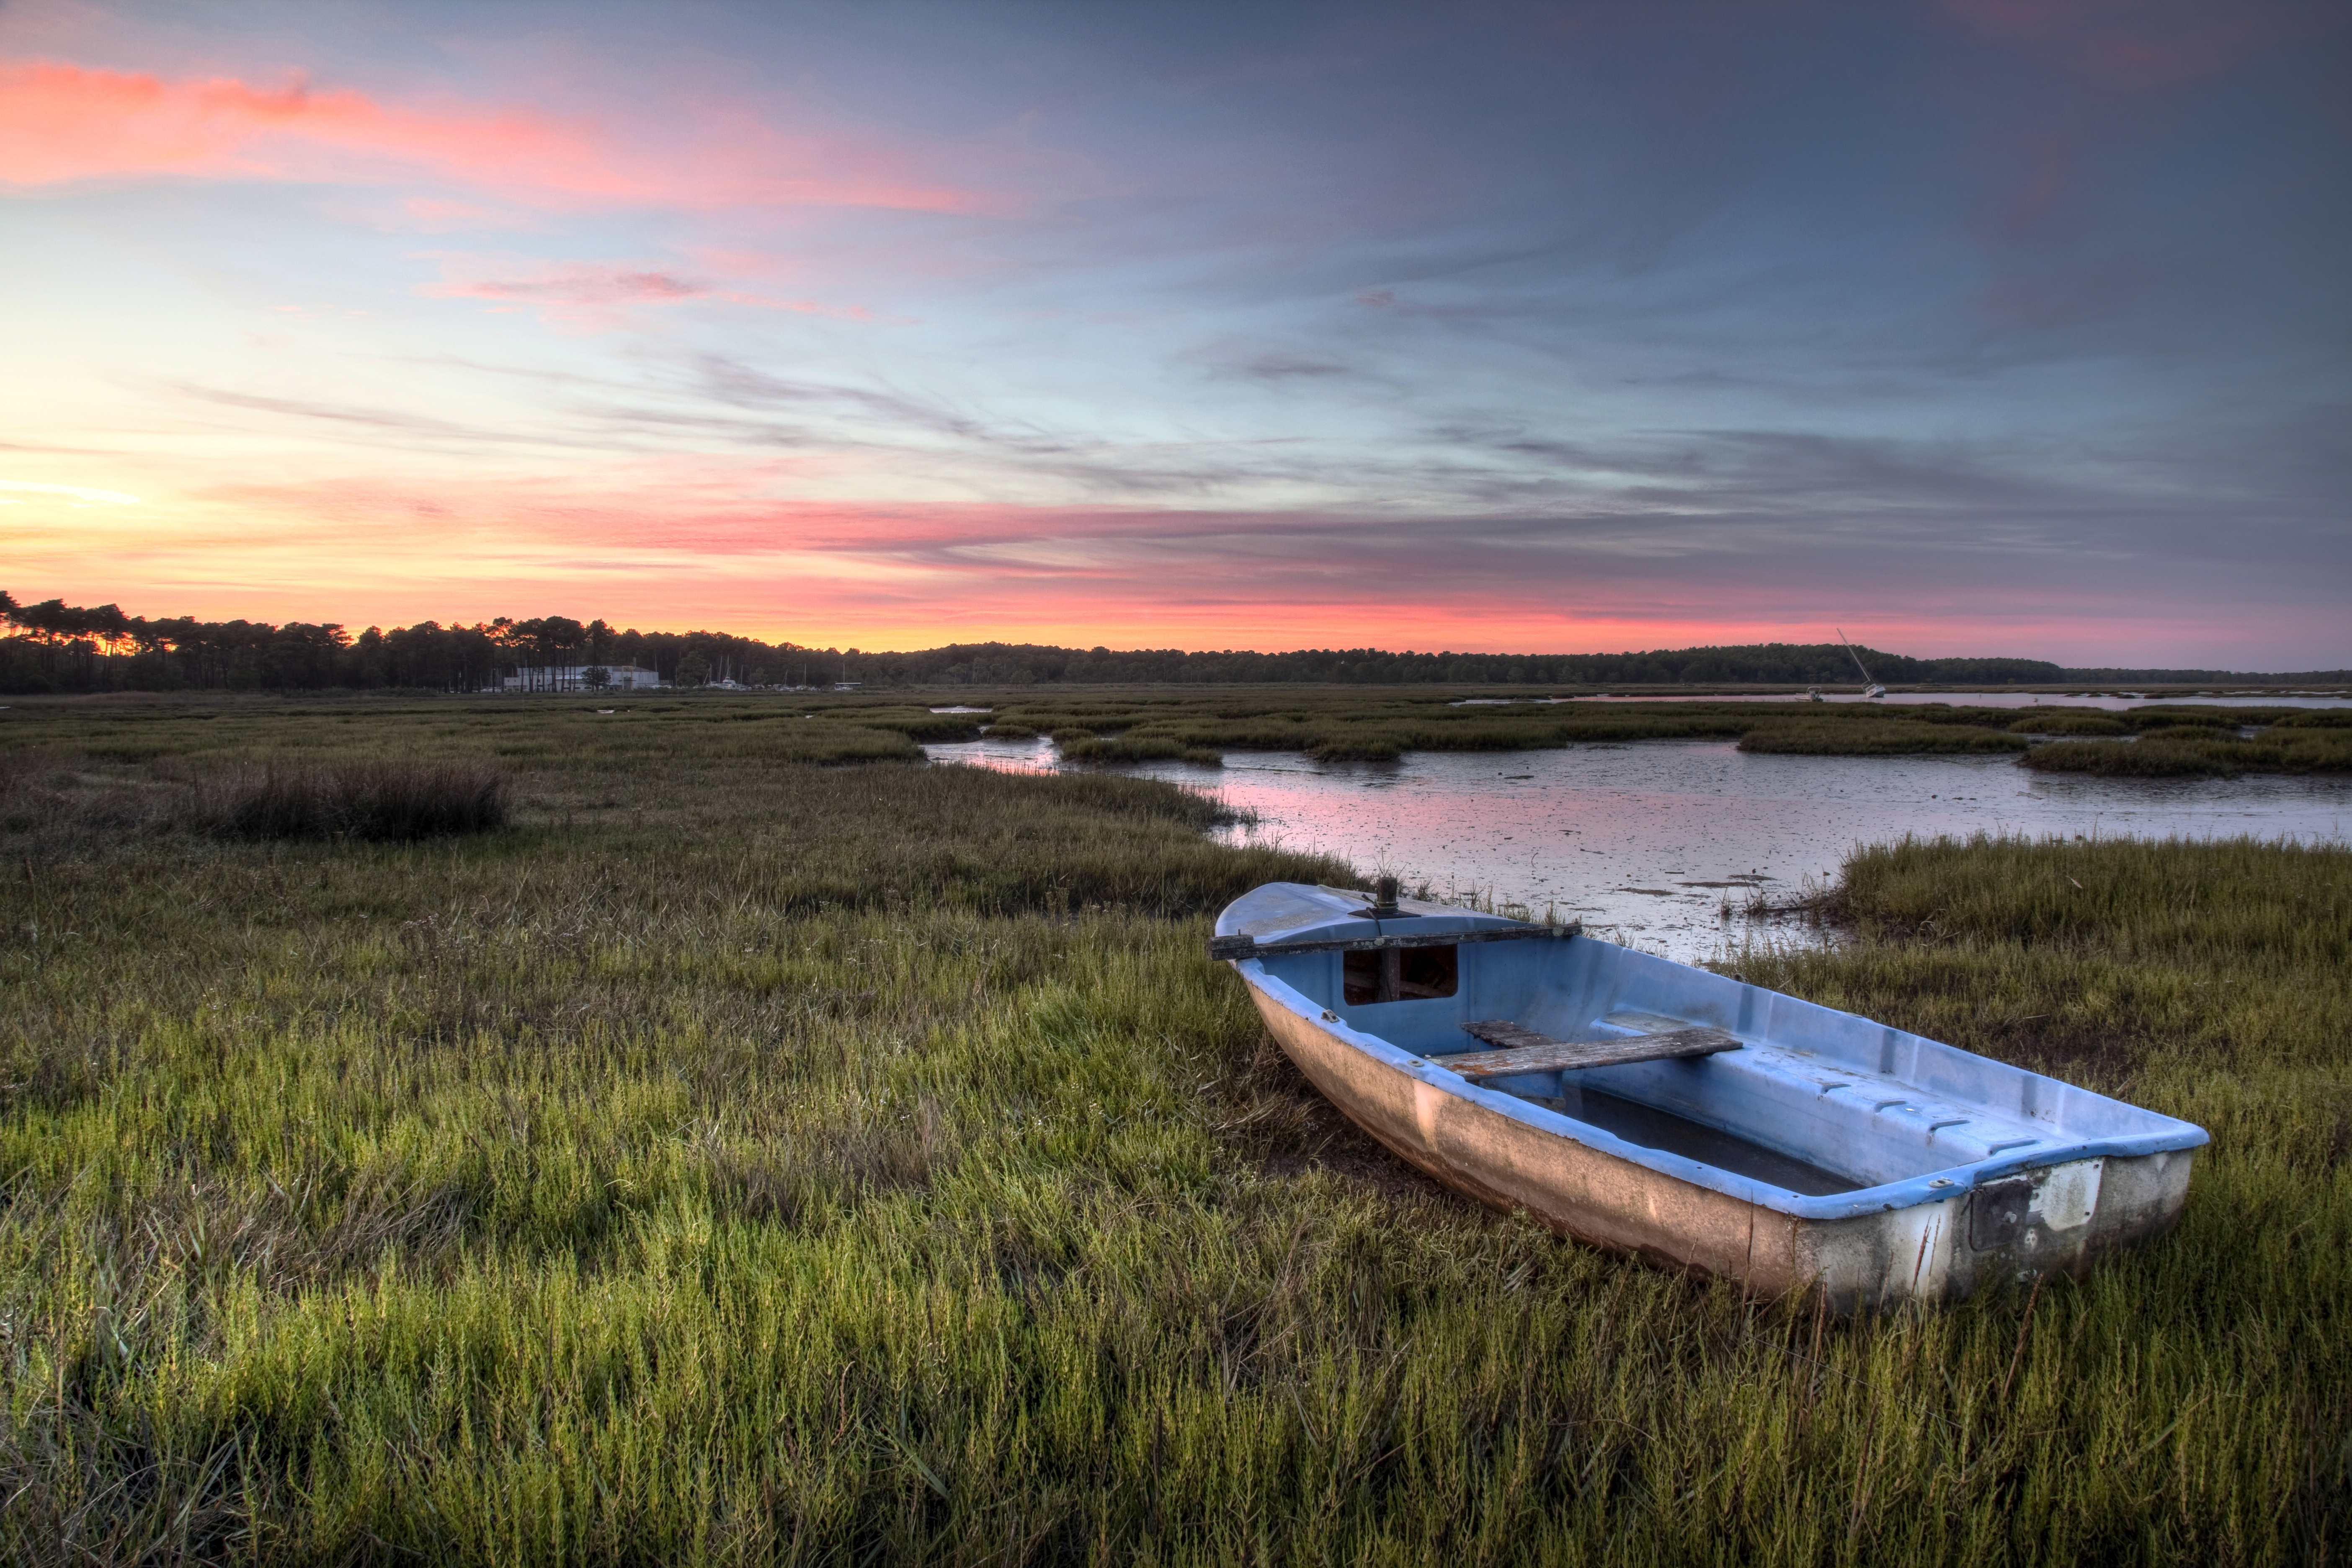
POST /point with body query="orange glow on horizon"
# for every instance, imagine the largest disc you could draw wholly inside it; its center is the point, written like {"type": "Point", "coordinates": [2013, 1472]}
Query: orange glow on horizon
{"type": "Point", "coordinates": [677, 550]}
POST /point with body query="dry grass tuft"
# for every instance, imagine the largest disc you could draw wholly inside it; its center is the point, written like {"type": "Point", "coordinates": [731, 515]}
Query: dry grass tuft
{"type": "Point", "coordinates": [386, 802]}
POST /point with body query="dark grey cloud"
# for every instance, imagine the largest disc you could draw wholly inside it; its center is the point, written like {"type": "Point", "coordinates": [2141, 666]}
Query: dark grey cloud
{"type": "Point", "coordinates": [1274, 366]}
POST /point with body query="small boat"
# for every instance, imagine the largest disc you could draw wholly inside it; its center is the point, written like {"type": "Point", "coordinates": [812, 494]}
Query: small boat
{"type": "Point", "coordinates": [1697, 1123]}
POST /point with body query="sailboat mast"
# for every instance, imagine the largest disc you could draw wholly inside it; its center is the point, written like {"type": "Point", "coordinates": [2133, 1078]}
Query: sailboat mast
{"type": "Point", "coordinates": [1856, 658]}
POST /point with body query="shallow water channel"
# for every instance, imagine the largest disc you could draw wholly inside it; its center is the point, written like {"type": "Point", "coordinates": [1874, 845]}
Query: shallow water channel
{"type": "Point", "coordinates": [1646, 841]}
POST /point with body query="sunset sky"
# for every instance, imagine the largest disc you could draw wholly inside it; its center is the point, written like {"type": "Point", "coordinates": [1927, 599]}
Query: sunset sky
{"type": "Point", "coordinates": [1989, 326]}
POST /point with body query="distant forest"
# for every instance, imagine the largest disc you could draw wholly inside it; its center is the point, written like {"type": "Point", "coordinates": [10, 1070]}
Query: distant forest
{"type": "Point", "coordinates": [54, 646]}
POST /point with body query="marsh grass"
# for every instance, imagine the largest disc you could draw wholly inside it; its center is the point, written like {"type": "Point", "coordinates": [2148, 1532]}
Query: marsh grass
{"type": "Point", "coordinates": [1890, 737]}
{"type": "Point", "coordinates": [2058, 723]}
{"type": "Point", "coordinates": [392, 800]}
{"type": "Point", "coordinates": [2190, 751]}
{"type": "Point", "coordinates": [621, 732]}
{"type": "Point", "coordinates": [1335, 724]}
{"type": "Point", "coordinates": [2153, 759]}
{"type": "Point", "coordinates": [1139, 749]}
{"type": "Point", "coordinates": [1354, 725]}
{"type": "Point", "coordinates": [735, 1159]}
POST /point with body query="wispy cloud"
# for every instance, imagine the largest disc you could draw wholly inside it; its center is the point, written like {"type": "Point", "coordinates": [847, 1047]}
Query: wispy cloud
{"type": "Point", "coordinates": [81, 493]}
{"type": "Point", "coordinates": [573, 286]}
{"type": "Point", "coordinates": [61, 123]}
{"type": "Point", "coordinates": [599, 293]}
{"type": "Point", "coordinates": [377, 425]}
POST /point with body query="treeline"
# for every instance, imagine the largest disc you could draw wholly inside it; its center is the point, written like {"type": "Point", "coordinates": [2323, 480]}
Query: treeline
{"type": "Point", "coordinates": [56, 646]}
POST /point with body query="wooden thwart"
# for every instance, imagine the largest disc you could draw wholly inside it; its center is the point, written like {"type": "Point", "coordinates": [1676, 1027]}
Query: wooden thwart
{"type": "Point", "coordinates": [1250, 947]}
{"type": "Point", "coordinates": [1527, 1051]}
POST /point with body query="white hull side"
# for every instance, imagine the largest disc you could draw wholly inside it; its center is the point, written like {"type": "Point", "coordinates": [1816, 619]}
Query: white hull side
{"type": "Point", "coordinates": [2078, 1210]}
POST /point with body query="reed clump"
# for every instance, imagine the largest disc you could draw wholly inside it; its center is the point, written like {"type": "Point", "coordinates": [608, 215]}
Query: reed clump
{"type": "Point", "coordinates": [1886, 738]}
{"type": "Point", "coordinates": [393, 802]}
{"type": "Point", "coordinates": [2182, 750]}
{"type": "Point", "coordinates": [2146, 760]}
{"type": "Point", "coordinates": [1130, 748]}
{"type": "Point", "coordinates": [2069, 724]}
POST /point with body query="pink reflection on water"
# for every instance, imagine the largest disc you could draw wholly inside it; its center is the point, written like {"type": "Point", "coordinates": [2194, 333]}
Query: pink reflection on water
{"type": "Point", "coordinates": [1645, 841]}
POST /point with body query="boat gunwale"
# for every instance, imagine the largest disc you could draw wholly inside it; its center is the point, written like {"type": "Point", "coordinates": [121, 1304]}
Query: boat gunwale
{"type": "Point", "coordinates": [1884, 1197]}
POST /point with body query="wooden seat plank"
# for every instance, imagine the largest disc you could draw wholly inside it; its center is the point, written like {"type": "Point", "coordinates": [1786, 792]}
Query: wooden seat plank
{"type": "Point", "coordinates": [1527, 1051]}
{"type": "Point", "coordinates": [1250, 947]}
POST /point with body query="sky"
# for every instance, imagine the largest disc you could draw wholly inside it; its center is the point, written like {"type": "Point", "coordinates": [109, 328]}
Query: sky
{"type": "Point", "coordinates": [2001, 326]}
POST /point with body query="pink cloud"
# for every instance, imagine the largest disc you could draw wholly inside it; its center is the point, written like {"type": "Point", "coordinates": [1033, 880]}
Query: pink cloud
{"type": "Point", "coordinates": [597, 293]}
{"type": "Point", "coordinates": [61, 123]}
{"type": "Point", "coordinates": [573, 286]}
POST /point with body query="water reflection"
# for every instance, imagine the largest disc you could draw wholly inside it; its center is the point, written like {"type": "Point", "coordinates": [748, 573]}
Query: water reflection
{"type": "Point", "coordinates": [1645, 841]}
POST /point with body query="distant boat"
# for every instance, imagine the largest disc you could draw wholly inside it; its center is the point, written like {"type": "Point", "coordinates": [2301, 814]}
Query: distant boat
{"type": "Point", "coordinates": [1870, 688]}
{"type": "Point", "coordinates": [1687, 1118]}
{"type": "Point", "coordinates": [1814, 694]}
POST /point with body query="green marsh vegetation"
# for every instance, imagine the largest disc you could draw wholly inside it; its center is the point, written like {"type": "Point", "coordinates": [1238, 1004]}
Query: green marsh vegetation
{"type": "Point", "coordinates": [2209, 745]}
{"type": "Point", "coordinates": [1339, 724]}
{"type": "Point", "coordinates": [1889, 737]}
{"type": "Point", "coordinates": [2088, 722]}
{"type": "Point", "coordinates": [733, 1158]}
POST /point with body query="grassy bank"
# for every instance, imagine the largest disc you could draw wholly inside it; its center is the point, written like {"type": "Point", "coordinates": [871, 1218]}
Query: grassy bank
{"type": "Point", "coordinates": [1888, 737]}
{"type": "Point", "coordinates": [1331, 725]}
{"type": "Point", "coordinates": [2194, 751]}
{"type": "Point", "coordinates": [737, 1159]}
{"type": "Point", "coordinates": [1341, 725]}
{"type": "Point", "coordinates": [568, 733]}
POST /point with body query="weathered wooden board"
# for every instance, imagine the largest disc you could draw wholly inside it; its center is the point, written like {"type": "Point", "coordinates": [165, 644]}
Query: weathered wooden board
{"type": "Point", "coordinates": [1528, 1051]}
{"type": "Point", "coordinates": [1250, 947]}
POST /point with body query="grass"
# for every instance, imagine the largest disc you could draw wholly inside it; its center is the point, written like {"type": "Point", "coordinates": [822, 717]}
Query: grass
{"type": "Point", "coordinates": [1357, 725]}
{"type": "Point", "coordinates": [734, 1159]}
{"type": "Point", "coordinates": [615, 733]}
{"type": "Point", "coordinates": [2077, 723]}
{"type": "Point", "coordinates": [1891, 737]}
{"type": "Point", "coordinates": [1200, 727]}
{"type": "Point", "coordinates": [2201, 751]}
{"type": "Point", "coordinates": [1088, 748]}
{"type": "Point", "coordinates": [380, 800]}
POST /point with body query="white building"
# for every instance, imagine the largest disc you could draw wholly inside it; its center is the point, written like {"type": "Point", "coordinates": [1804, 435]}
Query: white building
{"type": "Point", "coordinates": [582, 677]}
